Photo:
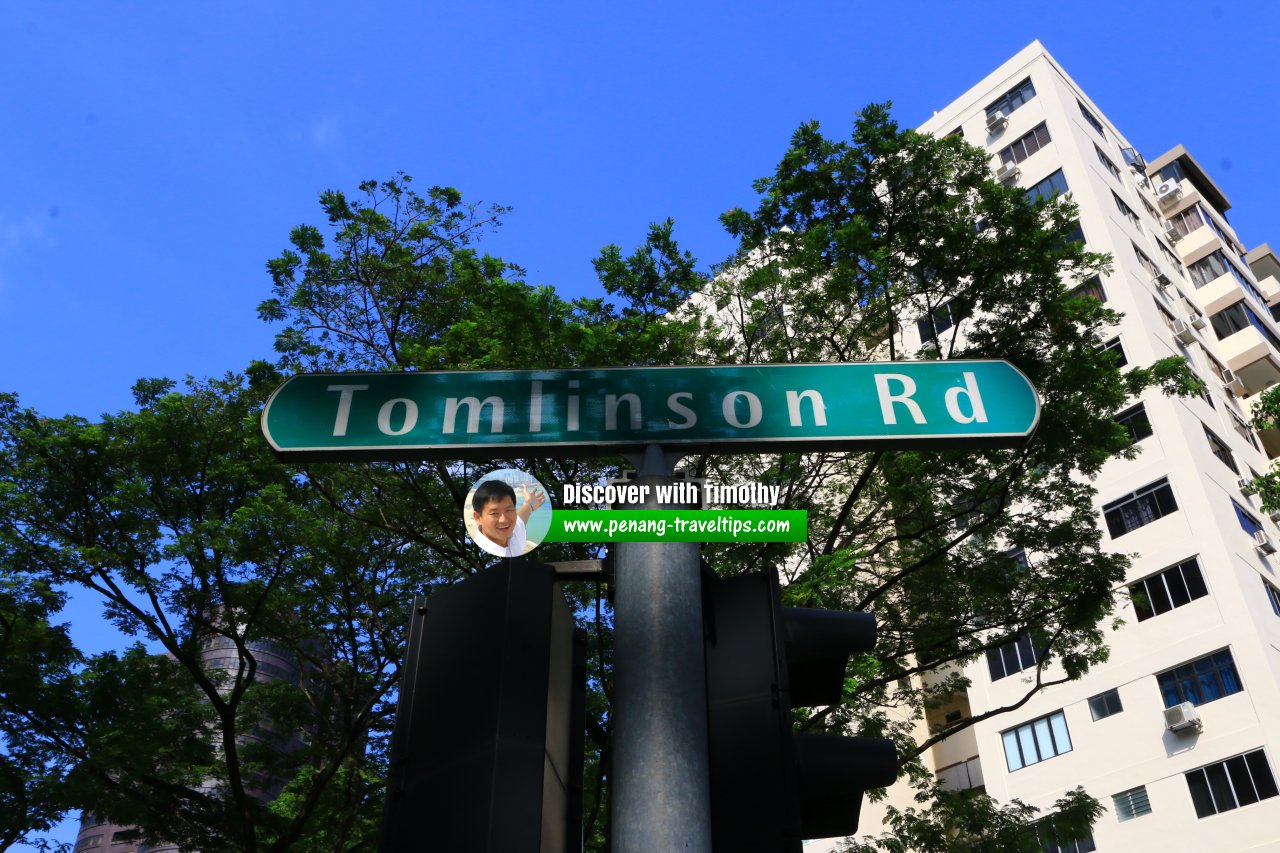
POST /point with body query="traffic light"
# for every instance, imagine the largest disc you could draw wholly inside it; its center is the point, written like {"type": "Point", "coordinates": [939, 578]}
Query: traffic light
{"type": "Point", "coordinates": [487, 750]}
{"type": "Point", "coordinates": [770, 786]}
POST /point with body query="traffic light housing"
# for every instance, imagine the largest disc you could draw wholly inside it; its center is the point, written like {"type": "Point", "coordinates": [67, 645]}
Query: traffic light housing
{"type": "Point", "coordinates": [487, 750]}
{"type": "Point", "coordinates": [771, 787]}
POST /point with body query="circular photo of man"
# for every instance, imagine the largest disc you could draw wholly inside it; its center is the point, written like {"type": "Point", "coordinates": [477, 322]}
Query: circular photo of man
{"type": "Point", "coordinates": [507, 513]}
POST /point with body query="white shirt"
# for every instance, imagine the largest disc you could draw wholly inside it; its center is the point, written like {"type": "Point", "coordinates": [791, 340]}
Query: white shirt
{"type": "Point", "coordinates": [515, 545]}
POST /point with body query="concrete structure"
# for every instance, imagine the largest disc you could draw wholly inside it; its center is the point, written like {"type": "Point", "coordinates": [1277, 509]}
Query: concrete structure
{"type": "Point", "coordinates": [1178, 734]}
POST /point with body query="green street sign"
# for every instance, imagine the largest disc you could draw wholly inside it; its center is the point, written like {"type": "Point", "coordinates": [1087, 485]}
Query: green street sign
{"type": "Point", "coordinates": [606, 411]}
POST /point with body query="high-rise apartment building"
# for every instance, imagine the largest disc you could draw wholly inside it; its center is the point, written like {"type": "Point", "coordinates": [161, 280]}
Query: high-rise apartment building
{"type": "Point", "coordinates": [1178, 733]}
{"type": "Point", "coordinates": [272, 662]}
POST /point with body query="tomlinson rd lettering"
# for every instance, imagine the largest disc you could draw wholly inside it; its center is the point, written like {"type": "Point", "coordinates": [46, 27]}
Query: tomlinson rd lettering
{"type": "Point", "coordinates": [759, 408]}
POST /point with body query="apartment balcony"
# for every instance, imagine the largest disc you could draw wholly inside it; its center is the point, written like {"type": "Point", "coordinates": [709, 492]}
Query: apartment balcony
{"type": "Point", "coordinates": [1223, 292]}
{"type": "Point", "coordinates": [1270, 438]}
{"type": "Point", "coordinates": [1269, 287]}
{"type": "Point", "coordinates": [1252, 358]}
{"type": "Point", "coordinates": [1200, 242]}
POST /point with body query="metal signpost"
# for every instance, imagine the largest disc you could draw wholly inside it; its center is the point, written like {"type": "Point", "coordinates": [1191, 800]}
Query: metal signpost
{"type": "Point", "coordinates": [654, 415]}
{"type": "Point", "coordinates": [753, 408]}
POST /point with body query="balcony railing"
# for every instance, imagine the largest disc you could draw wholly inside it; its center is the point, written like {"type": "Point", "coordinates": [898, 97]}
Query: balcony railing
{"type": "Point", "coordinates": [1223, 292]}
{"type": "Point", "coordinates": [1269, 287]}
{"type": "Point", "coordinates": [1197, 243]}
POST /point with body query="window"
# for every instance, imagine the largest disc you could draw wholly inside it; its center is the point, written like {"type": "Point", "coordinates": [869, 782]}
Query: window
{"type": "Point", "coordinates": [1200, 681]}
{"type": "Point", "coordinates": [1093, 122]}
{"type": "Point", "coordinates": [1049, 187]}
{"type": "Point", "coordinates": [954, 716]}
{"type": "Point", "coordinates": [1248, 523]}
{"type": "Point", "coordinates": [1117, 352]}
{"type": "Point", "coordinates": [1171, 172]}
{"type": "Point", "coordinates": [1092, 287]}
{"type": "Point", "coordinates": [1225, 785]}
{"type": "Point", "coordinates": [1052, 842]}
{"type": "Point", "coordinates": [1221, 450]}
{"type": "Point", "coordinates": [1127, 211]}
{"type": "Point", "coordinates": [1105, 704]}
{"type": "Point", "coordinates": [1029, 144]}
{"type": "Point", "coordinates": [1147, 264]}
{"type": "Point", "coordinates": [1237, 317]}
{"type": "Point", "coordinates": [1012, 99]}
{"type": "Point", "coordinates": [1210, 267]}
{"type": "Point", "coordinates": [1036, 741]}
{"type": "Point", "coordinates": [1107, 163]}
{"type": "Point", "coordinates": [1139, 508]}
{"type": "Point", "coordinates": [1131, 803]}
{"type": "Point", "coordinates": [1273, 595]}
{"type": "Point", "coordinates": [1245, 431]}
{"type": "Point", "coordinates": [1217, 264]}
{"type": "Point", "coordinates": [1167, 589]}
{"type": "Point", "coordinates": [1214, 365]}
{"type": "Point", "coordinates": [1151, 211]}
{"type": "Point", "coordinates": [1187, 220]}
{"type": "Point", "coordinates": [1014, 657]}
{"type": "Point", "coordinates": [1075, 235]}
{"type": "Point", "coordinates": [940, 319]}
{"type": "Point", "coordinates": [1170, 257]}
{"type": "Point", "coordinates": [1135, 420]}
{"type": "Point", "coordinates": [88, 842]}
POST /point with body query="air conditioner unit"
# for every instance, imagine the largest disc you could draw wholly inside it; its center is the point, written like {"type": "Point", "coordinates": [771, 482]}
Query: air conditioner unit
{"type": "Point", "coordinates": [1232, 382]}
{"type": "Point", "coordinates": [1143, 180]}
{"type": "Point", "coordinates": [928, 346]}
{"type": "Point", "coordinates": [1245, 485]}
{"type": "Point", "coordinates": [1171, 231]}
{"type": "Point", "coordinates": [1161, 281]}
{"type": "Point", "coordinates": [1008, 172]}
{"type": "Point", "coordinates": [1197, 320]}
{"type": "Point", "coordinates": [1263, 542]}
{"type": "Point", "coordinates": [1182, 717]}
{"type": "Point", "coordinates": [1168, 192]}
{"type": "Point", "coordinates": [1183, 332]}
{"type": "Point", "coordinates": [997, 122]}
{"type": "Point", "coordinates": [1275, 516]}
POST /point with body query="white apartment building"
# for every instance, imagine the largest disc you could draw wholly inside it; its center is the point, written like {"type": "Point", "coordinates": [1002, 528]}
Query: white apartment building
{"type": "Point", "coordinates": [1178, 734]}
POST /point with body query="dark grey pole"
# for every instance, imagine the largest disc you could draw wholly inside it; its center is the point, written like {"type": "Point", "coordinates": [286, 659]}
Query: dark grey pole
{"type": "Point", "coordinates": [661, 794]}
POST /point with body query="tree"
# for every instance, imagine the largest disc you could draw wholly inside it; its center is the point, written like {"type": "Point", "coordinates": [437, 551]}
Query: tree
{"type": "Point", "coordinates": [850, 242]}
{"type": "Point", "coordinates": [177, 518]}
{"type": "Point", "coordinates": [404, 290]}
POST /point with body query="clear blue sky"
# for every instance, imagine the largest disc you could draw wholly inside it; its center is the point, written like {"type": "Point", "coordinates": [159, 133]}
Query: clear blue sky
{"type": "Point", "coordinates": [155, 156]}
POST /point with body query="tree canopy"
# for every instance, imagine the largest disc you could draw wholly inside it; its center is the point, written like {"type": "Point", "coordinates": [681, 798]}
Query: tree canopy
{"type": "Point", "coordinates": [178, 520]}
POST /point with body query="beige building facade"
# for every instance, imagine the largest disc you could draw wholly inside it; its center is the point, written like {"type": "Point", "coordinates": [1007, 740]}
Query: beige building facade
{"type": "Point", "coordinates": [1178, 734]}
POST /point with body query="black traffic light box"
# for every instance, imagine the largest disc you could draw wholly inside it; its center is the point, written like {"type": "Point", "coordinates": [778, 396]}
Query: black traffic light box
{"type": "Point", "coordinates": [770, 786]}
{"type": "Point", "coordinates": [487, 750]}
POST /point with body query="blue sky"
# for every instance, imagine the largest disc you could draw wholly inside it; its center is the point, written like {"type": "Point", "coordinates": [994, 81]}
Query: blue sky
{"type": "Point", "coordinates": [155, 156]}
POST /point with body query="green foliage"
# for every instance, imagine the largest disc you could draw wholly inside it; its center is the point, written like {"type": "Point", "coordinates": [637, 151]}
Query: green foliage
{"type": "Point", "coordinates": [1266, 416]}
{"type": "Point", "coordinates": [397, 285]}
{"type": "Point", "coordinates": [974, 823]}
{"type": "Point", "coordinates": [180, 522]}
{"type": "Point", "coordinates": [199, 544]}
{"type": "Point", "coordinates": [222, 562]}
{"type": "Point", "coordinates": [850, 242]}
